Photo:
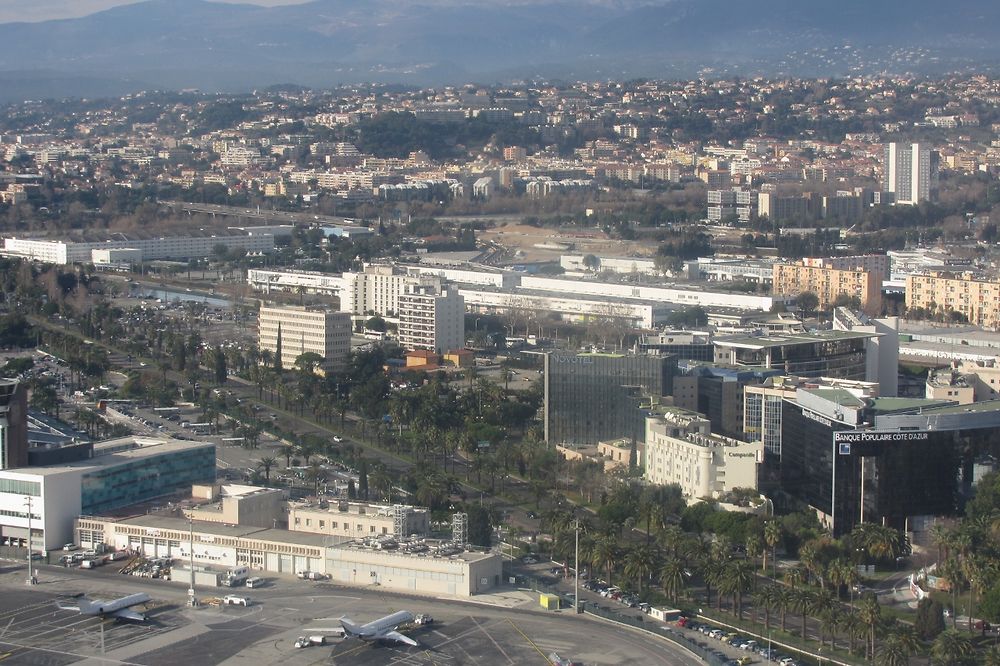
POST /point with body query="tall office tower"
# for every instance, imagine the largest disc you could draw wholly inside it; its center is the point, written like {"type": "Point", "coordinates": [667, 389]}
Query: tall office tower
{"type": "Point", "coordinates": [302, 330]}
{"type": "Point", "coordinates": [431, 316]}
{"type": "Point", "coordinates": [906, 172]}
{"type": "Point", "coordinates": [13, 424]}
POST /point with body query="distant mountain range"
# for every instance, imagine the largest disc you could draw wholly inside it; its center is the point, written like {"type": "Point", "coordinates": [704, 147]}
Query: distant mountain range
{"type": "Point", "coordinates": [196, 44]}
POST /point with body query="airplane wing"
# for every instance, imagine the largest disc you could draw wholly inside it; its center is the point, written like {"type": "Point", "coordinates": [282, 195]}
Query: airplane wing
{"type": "Point", "coordinates": [65, 606]}
{"type": "Point", "coordinates": [126, 614]}
{"type": "Point", "coordinates": [396, 636]}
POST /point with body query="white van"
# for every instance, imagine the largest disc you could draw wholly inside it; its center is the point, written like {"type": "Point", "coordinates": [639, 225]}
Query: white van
{"type": "Point", "coordinates": [256, 581]}
{"type": "Point", "coordinates": [236, 576]}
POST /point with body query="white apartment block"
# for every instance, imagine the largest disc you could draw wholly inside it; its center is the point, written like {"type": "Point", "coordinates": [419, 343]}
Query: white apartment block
{"type": "Point", "coordinates": [431, 316]}
{"type": "Point", "coordinates": [681, 449]}
{"type": "Point", "coordinates": [303, 329]}
{"type": "Point", "coordinates": [907, 170]}
{"type": "Point", "coordinates": [376, 290]}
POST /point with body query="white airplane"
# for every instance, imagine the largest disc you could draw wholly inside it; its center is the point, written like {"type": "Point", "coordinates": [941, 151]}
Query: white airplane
{"type": "Point", "coordinates": [383, 629]}
{"type": "Point", "coordinates": [116, 608]}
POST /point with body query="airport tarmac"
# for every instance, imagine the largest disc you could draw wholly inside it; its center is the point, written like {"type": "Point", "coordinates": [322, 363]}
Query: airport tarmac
{"type": "Point", "coordinates": [35, 632]}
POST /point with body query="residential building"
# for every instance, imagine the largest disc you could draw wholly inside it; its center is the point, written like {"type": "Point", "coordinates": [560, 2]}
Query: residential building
{"type": "Point", "coordinates": [907, 171]}
{"type": "Point", "coordinates": [296, 330]}
{"type": "Point", "coordinates": [828, 283]}
{"type": "Point", "coordinates": [375, 290]}
{"type": "Point", "coordinates": [728, 205]}
{"type": "Point", "coordinates": [781, 210]}
{"type": "Point", "coordinates": [681, 449]}
{"type": "Point", "coordinates": [590, 398]}
{"type": "Point", "coordinates": [431, 316]}
{"type": "Point", "coordinates": [972, 296]}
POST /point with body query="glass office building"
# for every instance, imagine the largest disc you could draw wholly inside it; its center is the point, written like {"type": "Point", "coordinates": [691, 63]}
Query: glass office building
{"type": "Point", "coordinates": [594, 397]}
{"type": "Point", "coordinates": [894, 465]}
{"type": "Point", "coordinates": [147, 477]}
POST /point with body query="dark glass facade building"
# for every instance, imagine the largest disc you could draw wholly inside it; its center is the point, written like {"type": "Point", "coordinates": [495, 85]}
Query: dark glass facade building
{"type": "Point", "coordinates": [594, 397]}
{"type": "Point", "coordinates": [890, 469]}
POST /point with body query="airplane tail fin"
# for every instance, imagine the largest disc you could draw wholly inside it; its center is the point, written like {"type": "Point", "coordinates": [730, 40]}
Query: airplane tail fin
{"type": "Point", "coordinates": [349, 626]}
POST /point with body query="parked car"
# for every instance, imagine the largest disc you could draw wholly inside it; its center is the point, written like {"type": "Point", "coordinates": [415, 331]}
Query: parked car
{"type": "Point", "coordinates": [70, 546]}
{"type": "Point", "coordinates": [233, 600]}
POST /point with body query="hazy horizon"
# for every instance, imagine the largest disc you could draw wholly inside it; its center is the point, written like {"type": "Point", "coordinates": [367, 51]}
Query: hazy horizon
{"type": "Point", "coordinates": [13, 11]}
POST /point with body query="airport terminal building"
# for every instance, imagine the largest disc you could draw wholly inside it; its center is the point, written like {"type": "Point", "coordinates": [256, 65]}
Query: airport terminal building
{"type": "Point", "coordinates": [121, 472]}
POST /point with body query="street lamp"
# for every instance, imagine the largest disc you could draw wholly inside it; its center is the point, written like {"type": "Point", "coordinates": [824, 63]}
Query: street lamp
{"type": "Point", "coordinates": [192, 601]}
{"type": "Point", "coordinates": [31, 578]}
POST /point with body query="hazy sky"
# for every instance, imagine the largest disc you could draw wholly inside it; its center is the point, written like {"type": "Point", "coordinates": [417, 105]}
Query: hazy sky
{"type": "Point", "coordinates": [41, 10]}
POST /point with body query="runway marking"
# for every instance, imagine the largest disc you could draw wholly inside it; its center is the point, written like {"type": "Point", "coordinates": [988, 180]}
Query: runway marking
{"type": "Point", "coordinates": [493, 640]}
{"type": "Point", "coordinates": [2, 633]}
{"type": "Point", "coordinates": [530, 642]}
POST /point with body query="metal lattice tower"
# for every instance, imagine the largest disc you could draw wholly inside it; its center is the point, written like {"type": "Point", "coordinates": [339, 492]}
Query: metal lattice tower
{"type": "Point", "coordinates": [460, 528]}
{"type": "Point", "coordinates": [399, 520]}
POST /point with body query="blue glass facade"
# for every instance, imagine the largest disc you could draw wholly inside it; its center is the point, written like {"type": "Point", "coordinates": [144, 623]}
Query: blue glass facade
{"type": "Point", "coordinates": [145, 478]}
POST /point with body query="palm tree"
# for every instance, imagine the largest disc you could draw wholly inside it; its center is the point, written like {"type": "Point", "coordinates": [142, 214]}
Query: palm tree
{"type": "Point", "coordinates": [855, 628]}
{"type": "Point", "coordinates": [672, 538]}
{"type": "Point", "coordinates": [772, 535]}
{"type": "Point", "coordinates": [605, 553]}
{"type": "Point", "coordinates": [951, 648]}
{"type": "Point", "coordinates": [992, 656]}
{"type": "Point", "coordinates": [640, 562]}
{"type": "Point", "coordinates": [976, 574]}
{"type": "Point", "coordinates": [672, 578]}
{"type": "Point", "coordinates": [739, 576]}
{"type": "Point", "coordinates": [783, 602]}
{"type": "Point", "coordinates": [820, 607]}
{"type": "Point", "coordinates": [951, 570]}
{"type": "Point", "coordinates": [754, 546]}
{"type": "Point", "coordinates": [871, 614]}
{"type": "Point", "coordinates": [802, 602]}
{"type": "Point", "coordinates": [267, 463]}
{"type": "Point", "coordinates": [795, 576]}
{"type": "Point", "coordinates": [767, 598]}
{"type": "Point", "coordinates": [892, 652]}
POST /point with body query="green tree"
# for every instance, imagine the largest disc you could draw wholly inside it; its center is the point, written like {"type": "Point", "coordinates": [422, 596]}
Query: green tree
{"type": "Point", "coordinates": [480, 526]}
{"type": "Point", "coordinates": [807, 302]}
{"type": "Point", "coordinates": [219, 365]}
{"type": "Point", "coordinates": [951, 648]}
{"type": "Point", "coordinates": [640, 562]}
{"type": "Point", "coordinates": [930, 619]}
{"type": "Point", "coordinates": [772, 537]}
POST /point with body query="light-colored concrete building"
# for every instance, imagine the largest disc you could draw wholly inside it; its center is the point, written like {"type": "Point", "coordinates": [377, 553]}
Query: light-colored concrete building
{"type": "Point", "coordinates": [907, 172]}
{"type": "Point", "coordinates": [232, 504]}
{"type": "Point", "coordinates": [375, 290]}
{"type": "Point", "coordinates": [294, 282]}
{"type": "Point", "coordinates": [358, 520]}
{"type": "Point", "coordinates": [681, 449]}
{"type": "Point", "coordinates": [305, 329]}
{"type": "Point", "coordinates": [949, 384]}
{"type": "Point", "coordinates": [193, 245]}
{"type": "Point", "coordinates": [445, 571]}
{"type": "Point", "coordinates": [975, 297]}
{"type": "Point", "coordinates": [421, 567]}
{"type": "Point", "coordinates": [431, 316]}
